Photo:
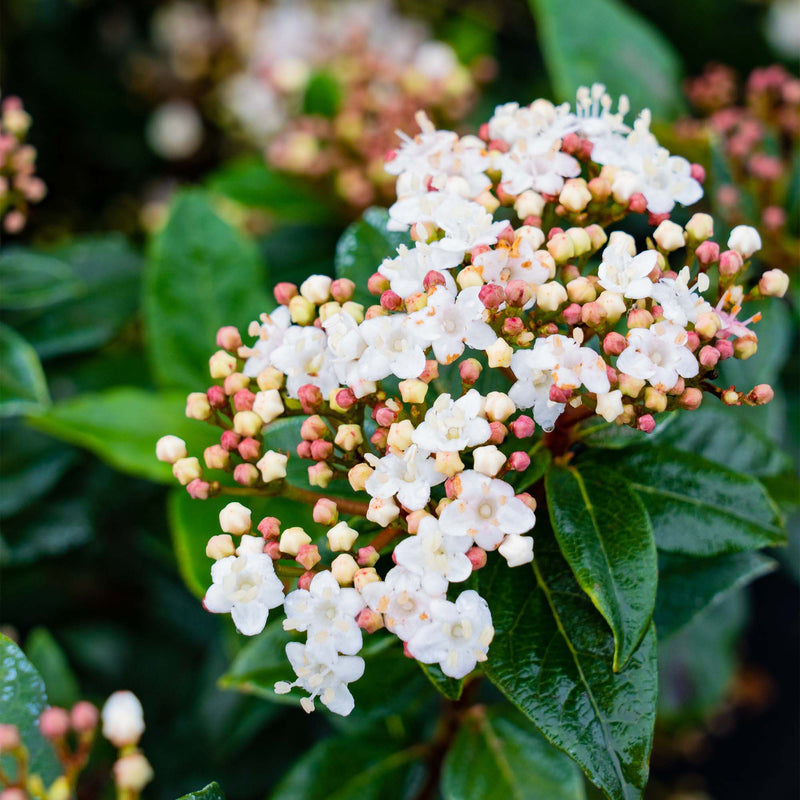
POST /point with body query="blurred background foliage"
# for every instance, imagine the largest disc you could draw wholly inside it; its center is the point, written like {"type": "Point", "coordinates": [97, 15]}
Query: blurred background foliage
{"type": "Point", "coordinates": [93, 299]}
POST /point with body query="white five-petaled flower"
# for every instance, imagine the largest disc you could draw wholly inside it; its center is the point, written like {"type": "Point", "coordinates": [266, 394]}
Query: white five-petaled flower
{"type": "Point", "coordinates": [303, 358]}
{"type": "Point", "coordinates": [393, 348]}
{"type": "Point", "coordinates": [537, 164]}
{"type": "Point", "coordinates": [410, 476]}
{"type": "Point", "coordinates": [570, 364]}
{"type": "Point", "coordinates": [452, 425]}
{"type": "Point", "coordinates": [658, 355]}
{"type": "Point", "coordinates": [504, 263]}
{"type": "Point", "coordinates": [271, 331]}
{"type": "Point", "coordinates": [485, 509]}
{"type": "Point", "coordinates": [628, 275]}
{"type": "Point", "coordinates": [401, 599]}
{"type": "Point", "coordinates": [679, 301]}
{"type": "Point", "coordinates": [407, 270]}
{"type": "Point", "coordinates": [465, 225]}
{"type": "Point", "coordinates": [458, 635]}
{"type": "Point", "coordinates": [532, 389]}
{"type": "Point", "coordinates": [245, 586]}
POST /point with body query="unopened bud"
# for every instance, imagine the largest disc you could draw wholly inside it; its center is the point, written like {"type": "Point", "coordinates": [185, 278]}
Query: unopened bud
{"type": "Point", "coordinates": [377, 284]}
{"type": "Point", "coordinates": [691, 399]}
{"type": "Point", "coordinates": [708, 356]}
{"type": "Point", "coordinates": [123, 719]}
{"type": "Point", "coordinates": [292, 539]}
{"type": "Point", "coordinates": [773, 283]}
{"type": "Point", "coordinates": [349, 437]}
{"type": "Point", "coordinates": [477, 557]}
{"type": "Point", "coordinates": [325, 512]}
{"type": "Point", "coordinates": [594, 315]}
{"type": "Point", "coordinates": [730, 263]}
{"type": "Point", "coordinates": [707, 253]}
{"type": "Point", "coordinates": [519, 461]}
{"type": "Point", "coordinates": [284, 292]}
{"type": "Point", "coordinates": [341, 537]}
{"type": "Point", "coordinates": [413, 390]}
{"type": "Point", "coordinates": [316, 289]}
{"type": "Point", "coordinates": [270, 378]}
{"type": "Point", "coordinates": [382, 511]}
{"type": "Point", "coordinates": [400, 435]}
{"type": "Point", "coordinates": [246, 475]}
{"type": "Point", "coordinates": [272, 466]}
{"type": "Point", "coordinates": [186, 470]}
{"type": "Point", "coordinates": [470, 370]}
{"type": "Point", "coordinates": [448, 463]}
{"type": "Point", "coordinates": [170, 449]}
{"type": "Point", "coordinates": [221, 364]}
{"type": "Point", "coordinates": [469, 277]}
{"type": "Point", "coordinates": [745, 240]}
{"type": "Point", "coordinates": [270, 527]}
{"type": "Point", "coordinates": [646, 423]}
{"type": "Point", "coordinates": [550, 296]}
{"type": "Point", "coordinates": [220, 546]}
{"type": "Point", "coordinates": [488, 460]}
{"type": "Point", "coordinates": [235, 519]}
{"type": "Point", "coordinates": [229, 338]}
{"type": "Point", "coordinates": [654, 400]}
{"type": "Point", "coordinates": [745, 346]}
{"type": "Point", "coordinates": [54, 723]}
{"type": "Point", "coordinates": [498, 406]}
{"type": "Point", "coordinates": [761, 394]}
{"type": "Point", "coordinates": [614, 343]}
{"type": "Point", "coordinates": [358, 476]}
{"type": "Point", "coordinates": [367, 619]}
{"type": "Point", "coordinates": [613, 304]}
{"type": "Point", "coordinates": [310, 398]}
{"type": "Point", "coordinates": [320, 474]}
{"type": "Point", "coordinates": [575, 195]}
{"type": "Point", "coordinates": [344, 568]}
{"type": "Point", "coordinates": [669, 236]}
{"type": "Point", "coordinates": [523, 427]}
{"type": "Point", "coordinates": [197, 406]}
{"type": "Point", "coordinates": [700, 227]}
{"type": "Point", "coordinates": [367, 557]}
{"type": "Point", "coordinates": [308, 556]}
{"type": "Point", "coordinates": [268, 405]}
{"type": "Point", "coordinates": [630, 386]}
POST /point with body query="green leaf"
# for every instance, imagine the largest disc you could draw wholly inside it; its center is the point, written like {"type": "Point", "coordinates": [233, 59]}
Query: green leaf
{"type": "Point", "coordinates": [23, 387]}
{"type": "Point", "coordinates": [48, 658]}
{"type": "Point", "coordinates": [499, 755]}
{"type": "Point", "coordinates": [210, 792]}
{"type": "Point", "coordinates": [363, 247]}
{"type": "Point", "coordinates": [697, 507]}
{"type": "Point", "coordinates": [451, 688]}
{"type": "Point", "coordinates": [343, 768]}
{"type": "Point", "coordinates": [201, 274]}
{"type": "Point", "coordinates": [31, 280]}
{"type": "Point", "coordinates": [551, 656]}
{"type": "Point", "coordinates": [122, 426]}
{"type": "Point", "coordinates": [634, 58]}
{"type": "Point", "coordinates": [298, 251]}
{"type": "Point", "coordinates": [606, 537]}
{"type": "Point", "coordinates": [323, 95]}
{"type": "Point", "coordinates": [688, 585]}
{"type": "Point", "coordinates": [252, 183]}
{"type": "Point", "coordinates": [22, 700]}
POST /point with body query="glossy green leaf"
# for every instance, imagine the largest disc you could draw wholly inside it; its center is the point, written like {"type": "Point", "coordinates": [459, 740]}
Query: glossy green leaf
{"type": "Point", "coordinates": [363, 247]}
{"type": "Point", "coordinates": [23, 387]}
{"type": "Point", "coordinates": [697, 507]}
{"type": "Point", "coordinates": [22, 700]}
{"type": "Point", "coordinates": [31, 280]}
{"type": "Point", "coordinates": [47, 657]}
{"type": "Point", "coordinates": [323, 95]}
{"type": "Point", "coordinates": [551, 656]}
{"type": "Point", "coordinates": [345, 768]}
{"type": "Point", "coordinates": [634, 58]}
{"type": "Point", "coordinates": [499, 755]}
{"type": "Point", "coordinates": [297, 251]}
{"type": "Point", "coordinates": [210, 792]}
{"type": "Point", "coordinates": [687, 585]}
{"type": "Point", "coordinates": [606, 537]}
{"type": "Point", "coordinates": [201, 274]}
{"type": "Point", "coordinates": [122, 426]}
{"type": "Point", "coordinates": [451, 688]}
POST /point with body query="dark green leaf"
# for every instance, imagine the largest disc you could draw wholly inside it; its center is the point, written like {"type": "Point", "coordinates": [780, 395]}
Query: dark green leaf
{"type": "Point", "coordinates": [541, 458]}
{"type": "Point", "coordinates": [606, 537]}
{"type": "Point", "coordinates": [31, 280]}
{"type": "Point", "coordinates": [297, 251]}
{"type": "Point", "coordinates": [688, 585]}
{"type": "Point", "coordinates": [363, 247]}
{"type": "Point", "coordinates": [23, 387]}
{"type": "Point", "coordinates": [551, 656]}
{"type": "Point", "coordinates": [122, 426]}
{"type": "Point", "coordinates": [697, 507]}
{"type": "Point", "coordinates": [499, 755]}
{"type": "Point", "coordinates": [323, 95]}
{"type": "Point", "coordinates": [634, 58]}
{"type": "Point", "coordinates": [48, 658]}
{"type": "Point", "coordinates": [451, 688]}
{"type": "Point", "coordinates": [201, 274]}
{"type": "Point", "coordinates": [210, 792]}
{"type": "Point", "coordinates": [22, 700]}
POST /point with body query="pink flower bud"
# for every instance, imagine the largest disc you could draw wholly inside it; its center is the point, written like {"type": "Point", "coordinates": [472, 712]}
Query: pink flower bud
{"type": "Point", "coordinates": [303, 450]}
{"type": "Point", "coordinates": [518, 293]}
{"type": "Point", "coordinates": [229, 338]}
{"type": "Point", "coordinates": [310, 398]}
{"type": "Point", "coordinates": [230, 440]}
{"type": "Point", "coordinates": [199, 489]}
{"type": "Point", "coordinates": [678, 388]}
{"type": "Point", "coordinates": [698, 172]}
{"type": "Point", "coordinates": [657, 219]}
{"type": "Point", "coordinates": [451, 487]}
{"type": "Point", "coordinates": [246, 475]}
{"type": "Point", "coordinates": [492, 295]}
{"type": "Point", "coordinates": [431, 371]}
{"type": "Point", "coordinates": [217, 397]}
{"type": "Point", "coordinates": [391, 301]}
{"type": "Point", "coordinates": [519, 461]}
{"type": "Point", "coordinates": [243, 400]}
{"type": "Point", "coordinates": [377, 284]}
{"type": "Point", "coordinates": [84, 717]}
{"type": "Point", "coordinates": [646, 423]}
{"type": "Point", "coordinates": [761, 394]}
{"type": "Point", "coordinates": [498, 432]}
{"type": "Point", "coordinates": [320, 475]}
{"type": "Point", "coordinates": [234, 382]}
{"type": "Point", "coordinates": [313, 427]}
{"type": "Point", "coordinates": [9, 740]}
{"type": "Point", "coordinates": [725, 349]}
{"type": "Point", "coordinates": [342, 290]}
{"type": "Point", "coordinates": [380, 438]}
{"type": "Point", "coordinates": [477, 557]}
{"type": "Point", "coordinates": [433, 278]}
{"type": "Point", "coordinates": [572, 314]}
{"type": "Point", "coordinates": [273, 549]}
{"type": "Point", "coordinates": [708, 356]}
{"type": "Point", "coordinates": [594, 315]}
{"type": "Point", "coordinates": [640, 318]}
{"type": "Point", "coordinates": [691, 399]}
{"type": "Point", "coordinates": [692, 341]}
{"type": "Point", "coordinates": [13, 792]}
{"type": "Point", "coordinates": [730, 263]}
{"type": "Point", "coordinates": [270, 527]}
{"type": "Point", "coordinates": [250, 449]}
{"type": "Point", "coordinates": [614, 344]}
{"type": "Point", "coordinates": [345, 399]}
{"type": "Point", "coordinates": [308, 556]}
{"type": "Point", "coordinates": [369, 620]}
{"type": "Point", "coordinates": [321, 449]}
{"type": "Point", "coordinates": [559, 395]}
{"type": "Point", "coordinates": [54, 723]}
{"type": "Point", "coordinates": [707, 252]}
{"type": "Point", "coordinates": [304, 581]}
{"type": "Point", "coordinates": [284, 292]}
{"type": "Point", "coordinates": [385, 416]}
{"type": "Point", "coordinates": [523, 427]}
{"type": "Point", "coordinates": [773, 283]}
{"type": "Point", "coordinates": [325, 512]}
{"type": "Point", "coordinates": [368, 556]}
{"type": "Point", "coordinates": [637, 203]}
{"type": "Point", "coordinates": [470, 370]}
{"type": "Point", "coordinates": [512, 326]}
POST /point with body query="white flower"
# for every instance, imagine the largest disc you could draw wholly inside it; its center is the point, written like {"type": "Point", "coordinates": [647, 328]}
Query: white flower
{"type": "Point", "coordinates": [666, 180]}
{"type": "Point", "coordinates": [436, 558]}
{"type": "Point", "coordinates": [302, 358]}
{"type": "Point", "coordinates": [246, 586]}
{"type": "Point", "coordinates": [516, 550]}
{"type": "Point", "coordinates": [408, 269]}
{"type": "Point", "coordinates": [659, 355]}
{"type": "Point", "coordinates": [452, 425]}
{"type": "Point", "coordinates": [537, 165]}
{"type": "Point", "coordinates": [409, 476]}
{"type": "Point", "coordinates": [570, 364]}
{"type": "Point", "coordinates": [401, 599]}
{"type": "Point", "coordinates": [541, 120]}
{"type": "Point", "coordinates": [505, 263]}
{"type": "Point", "coordinates": [680, 303]}
{"type": "Point", "coordinates": [744, 240]}
{"type": "Point", "coordinates": [123, 719]}
{"type": "Point", "coordinates": [485, 509]}
{"type": "Point", "coordinates": [393, 347]}
{"type": "Point", "coordinates": [593, 116]}
{"type": "Point", "coordinates": [457, 637]}
{"type": "Point", "coordinates": [271, 332]}
{"type": "Point", "coordinates": [465, 225]}
{"type": "Point", "coordinates": [450, 322]}
{"type": "Point", "coordinates": [619, 272]}
{"type": "Point", "coordinates": [328, 613]}
{"type": "Point", "coordinates": [324, 677]}
{"type": "Point", "coordinates": [532, 390]}
{"type": "Point", "coordinates": [345, 347]}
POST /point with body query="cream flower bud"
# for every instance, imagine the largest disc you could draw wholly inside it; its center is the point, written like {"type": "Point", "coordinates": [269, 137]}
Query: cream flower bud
{"type": "Point", "coordinates": [365, 576]}
{"type": "Point", "coordinates": [235, 519]}
{"type": "Point", "coordinates": [744, 240]}
{"type": "Point", "coordinates": [268, 405]}
{"type": "Point", "coordinates": [630, 386]}
{"type": "Point", "coordinates": [581, 290]}
{"type": "Point", "coordinates": [220, 546]}
{"type": "Point", "coordinates": [170, 449]}
{"type": "Point", "coordinates": [488, 460]}
{"type": "Point", "coordinates": [624, 185]}
{"type": "Point", "coordinates": [292, 539]}
{"type": "Point", "coordinates": [400, 435]}
{"type": "Point", "coordinates": [358, 476]}
{"type": "Point", "coordinates": [123, 719]}
{"type": "Point", "coordinates": [344, 568]}
{"type": "Point", "coordinates": [270, 378]}
{"type": "Point", "coordinates": [132, 772]}
{"type": "Point", "coordinates": [197, 406]}
{"type": "Point", "coordinates": [620, 239]}
{"type": "Point", "coordinates": [499, 354]}
{"type": "Point", "coordinates": [329, 309]}
{"type": "Point", "coordinates": [272, 466]}
{"type": "Point", "coordinates": [468, 277]}
{"type": "Point", "coordinates": [349, 437]}
{"type": "Point", "coordinates": [186, 470]}
{"type": "Point", "coordinates": [613, 304]}
{"type": "Point", "coordinates": [533, 236]}
{"type": "Point", "coordinates": [448, 463]}
{"type": "Point", "coordinates": [707, 325]}
{"type": "Point", "coordinates": [517, 550]}
{"type": "Point", "coordinates": [341, 537]}
{"type": "Point", "coordinates": [575, 195]}
{"type": "Point", "coordinates": [700, 227]}
{"type": "Point", "coordinates": [561, 248]}
{"type": "Point", "coordinates": [413, 390]}
{"type": "Point", "coordinates": [529, 204]}
{"type": "Point", "coordinates": [580, 240]}
{"type": "Point", "coordinates": [301, 311]}
{"type": "Point", "coordinates": [382, 511]}
{"type": "Point", "coordinates": [498, 407]}
{"type": "Point", "coordinates": [669, 236]}
{"type": "Point", "coordinates": [316, 289]}
{"type": "Point", "coordinates": [773, 283]}
{"type": "Point", "coordinates": [549, 296]}
{"type": "Point", "coordinates": [221, 364]}
{"type": "Point", "coordinates": [355, 310]}
{"type": "Point", "coordinates": [609, 405]}
{"type": "Point", "coordinates": [597, 236]}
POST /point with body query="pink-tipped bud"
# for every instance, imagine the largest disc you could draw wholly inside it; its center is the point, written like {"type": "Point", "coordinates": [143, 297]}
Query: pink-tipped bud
{"type": "Point", "coordinates": [273, 549]}
{"type": "Point", "coordinates": [368, 556]}
{"type": "Point", "coordinates": [498, 432]}
{"type": "Point", "coordinates": [637, 203]}
{"type": "Point", "coordinates": [492, 295]}
{"type": "Point", "coordinates": [369, 620]}
{"type": "Point", "coordinates": [572, 314]}
{"type": "Point", "coordinates": [84, 717]}
{"type": "Point", "coordinates": [692, 340]}
{"type": "Point", "coordinates": [433, 278]}
{"type": "Point", "coordinates": [313, 427]}
{"type": "Point", "coordinates": [310, 398]}
{"type": "Point", "coordinates": [197, 406]}
{"type": "Point", "coordinates": [377, 284]}
{"type": "Point", "coordinates": [385, 416]}
{"type": "Point", "coordinates": [698, 172]}
{"type": "Point", "coordinates": [519, 461]}
{"type": "Point", "coordinates": [199, 489]}
{"type": "Point", "coordinates": [342, 290]}
{"type": "Point", "coordinates": [599, 188]}
{"type": "Point", "coordinates": [477, 557]}
{"type": "Point", "coordinates": [730, 263]}
{"type": "Point", "coordinates": [380, 439]}
{"type": "Point", "coordinates": [321, 449]}
{"type": "Point", "coordinates": [691, 399]}
{"type": "Point", "coordinates": [646, 423]}
{"type": "Point", "coordinates": [345, 399]}
{"type": "Point", "coordinates": [614, 344]}
{"type": "Point", "coordinates": [10, 740]}
{"type": "Point", "coordinates": [708, 356]}
{"type": "Point", "coordinates": [270, 528]}
{"type": "Point", "coordinates": [451, 487]}
{"type": "Point", "coordinates": [571, 144]}
{"type": "Point", "coordinates": [246, 475]}
{"type": "Point", "coordinates": [470, 370]}
{"type": "Point", "coordinates": [523, 427]}
{"type": "Point", "coordinates": [513, 326]}
{"type": "Point", "coordinates": [325, 512]}
{"type": "Point", "coordinates": [678, 388]}
{"type": "Point", "coordinates": [640, 318]}
{"type": "Point", "coordinates": [594, 315]}
{"type": "Point", "coordinates": [431, 371]}
{"type": "Point", "coordinates": [518, 293]}
{"type": "Point", "coordinates": [284, 292]}
{"type": "Point", "coordinates": [707, 252]}
{"type": "Point", "coordinates": [725, 348]}
{"type": "Point", "coordinates": [304, 581]}
{"type": "Point", "coordinates": [761, 394]}
{"type": "Point", "coordinates": [243, 400]}
{"type": "Point", "coordinates": [229, 338]}
{"type": "Point", "coordinates": [320, 475]}
{"type": "Point", "coordinates": [230, 440]}
{"type": "Point", "coordinates": [391, 301]}
{"type": "Point", "coordinates": [745, 346]}
{"type": "Point", "coordinates": [217, 397]}
{"type": "Point", "coordinates": [235, 382]}
{"type": "Point", "coordinates": [559, 395]}
{"type": "Point", "coordinates": [54, 723]}
{"type": "Point", "coordinates": [308, 556]}
{"type": "Point", "coordinates": [250, 449]}
{"type": "Point", "coordinates": [656, 219]}
{"type": "Point", "coordinates": [303, 450]}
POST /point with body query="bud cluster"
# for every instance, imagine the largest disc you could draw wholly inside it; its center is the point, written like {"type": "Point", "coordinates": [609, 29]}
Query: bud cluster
{"type": "Point", "coordinates": [512, 317]}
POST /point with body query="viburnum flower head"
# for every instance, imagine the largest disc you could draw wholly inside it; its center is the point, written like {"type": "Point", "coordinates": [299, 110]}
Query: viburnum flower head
{"type": "Point", "coordinates": [628, 275]}
{"type": "Point", "coordinates": [245, 586]}
{"type": "Point", "coordinates": [452, 425]}
{"type": "Point", "coordinates": [409, 476]}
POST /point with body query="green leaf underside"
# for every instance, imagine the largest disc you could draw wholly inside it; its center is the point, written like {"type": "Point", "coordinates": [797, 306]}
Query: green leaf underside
{"type": "Point", "coordinates": [31, 280]}
{"type": "Point", "coordinates": [201, 274]}
{"type": "Point", "coordinates": [23, 387]}
{"type": "Point", "coordinates": [344, 768]}
{"type": "Point", "coordinates": [122, 426]}
{"type": "Point", "coordinates": [635, 58]}
{"type": "Point", "coordinates": [606, 537]}
{"type": "Point", "coordinates": [210, 792]}
{"type": "Point", "coordinates": [687, 586]}
{"type": "Point", "coordinates": [697, 507]}
{"type": "Point", "coordinates": [499, 755]}
{"type": "Point", "coordinates": [551, 656]}
{"type": "Point", "coordinates": [451, 688]}
{"type": "Point", "coordinates": [22, 699]}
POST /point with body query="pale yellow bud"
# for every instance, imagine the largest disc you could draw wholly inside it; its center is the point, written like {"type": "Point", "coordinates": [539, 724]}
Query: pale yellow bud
{"type": "Point", "coordinates": [358, 476]}
{"type": "Point", "coordinates": [341, 537]}
{"type": "Point", "coordinates": [498, 407]}
{"type": "Point", "coordinates": [344, 568]}
{"type": "Point", "coordinates": [197, 406]}
{"type": "Point", "coordinates": [488, 460]}
{"type": "Point", "coordinates": [316, 289]}
{"type": "Point", "coordinates": [272, 466]}
{"type": "Point", "coordinates": [247, 423]}
{"type": "Point", "coordinates": [186, 470]}
{"type": "Point", "coordinates": [292, 539]}
{"type": "Point", "coordinates": [220, 546]}
{"type": "Point", "coordinates": [700, 227]}
{"type": "Point", "coordinates": [448, 463]}
{"type": "Point", "coordinates": [549, 296]}
{"type": "Point", "coordinates": [235, 519]}
{"type": "Point", "coordinates": [669, 236]}
{"type": "Point", "coordinates": [613, 304]}
{"type": "Point", "coordinates": [499, 354]}
{"type": "Point", "coordinates": [349, 437]}
{"type": "Point", "coordinates": [221, 364]}
{"type": "Point", "coordinates": [575, 195]}
{"type": "Point", "coordinates": [469, 276]}
{"type": "Point", "coordinates": [270, 378]}
{"type": "Point", "coordinates": [400, 435]}
{"type": "Point", "coordinates": [581, 290]}
{"type": "Point", "coordinates": [355, 310]}
{"type": "Point", "coordinates": [529, 204]}
{"type": "Point", "coordinates": [413, 390]}
{"type": "Point", "coordinates": [301, 310]}
{"type": "Point", "coordinates": [581, 242]}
